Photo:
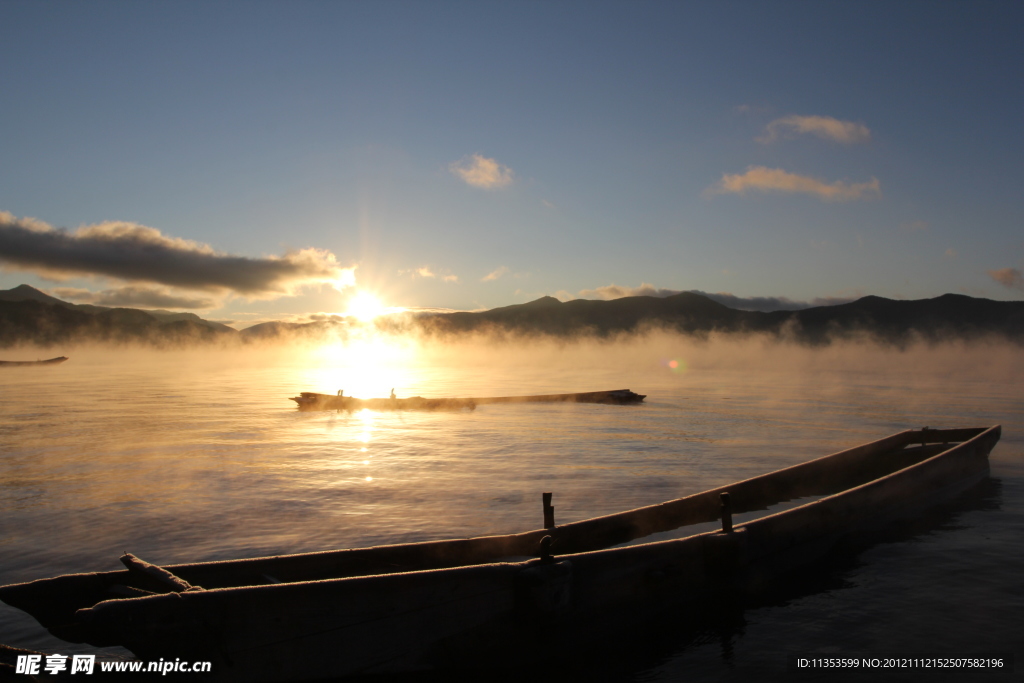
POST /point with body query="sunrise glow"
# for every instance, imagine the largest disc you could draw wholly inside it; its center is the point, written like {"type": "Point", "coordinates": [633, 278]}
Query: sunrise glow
{"type": "Point", "coordinates": [365, 307]}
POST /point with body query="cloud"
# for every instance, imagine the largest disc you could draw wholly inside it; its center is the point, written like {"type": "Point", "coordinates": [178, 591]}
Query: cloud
{"type": "Point", "coordinates": [479, 171]}
{"type": "Point", "coordinates": [765, 179]}
{"type": "Point", "coordinates": [914, 226]}
{"type": "Point", "coordinates": [134, 296]}
{"type": "Point", "coordinates": [324, 318]}
{"type": "Point", "coordinates": [756, 303]}
{"type": "Point", "coordinates": [137, 253]}
{"type": "Point", "coordinates": [614, 291]}
{"type": "Point", "coordinates": [422, 271]}
{"type": "Point", "coordinates": [846, 132]}
{"type": "Point", "coordinates": [494, 274]}
{"type": "Point", "coordinates": [86, 296]}
{"type": "Point", "coordinates": [1008, 277]}
{"type": "Point", "coordinates": [771, 303]}
{"type": "Point", "coordinates": [753, 109]}
{"type": "Point", "coordinates": [951, 253]}
{"type": "Point", "coordinates": [425, 271]}
{"type": "Point", "coordinates": [432, 309]}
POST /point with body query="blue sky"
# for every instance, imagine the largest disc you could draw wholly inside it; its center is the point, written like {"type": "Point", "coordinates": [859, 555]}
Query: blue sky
{"type": "Point", "coordinates": [472, 154]}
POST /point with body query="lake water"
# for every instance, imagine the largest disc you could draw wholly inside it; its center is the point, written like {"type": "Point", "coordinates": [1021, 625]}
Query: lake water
{"type": "Point", "coordinates": [192, 456]}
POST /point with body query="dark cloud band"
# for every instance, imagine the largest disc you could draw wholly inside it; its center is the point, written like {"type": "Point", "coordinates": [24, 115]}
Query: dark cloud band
{"type": "Point", "coordinates": [137, 253]}
{"type": "Point", "coordinates": [134, 296]}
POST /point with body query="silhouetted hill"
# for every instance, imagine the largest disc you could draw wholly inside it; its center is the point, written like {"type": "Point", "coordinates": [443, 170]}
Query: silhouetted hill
{"type": "Point", "coordinates": [171, 316]}
{"type": "Point", "coordinates": [895, 322]}
{"type": "Point", "coordinates": [686, 312]}
{"type": "Point", "coordinates": [280, 330]}
{"type": "Point", "coordinates": [26, 293]}
{"type": "Point", "coordinates": [944, 317]}
{"type": "Point", "coordinates": [28, 316]}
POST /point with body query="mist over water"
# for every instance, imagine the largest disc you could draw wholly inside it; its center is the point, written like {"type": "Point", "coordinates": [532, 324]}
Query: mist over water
{"type": "Point", "coordinates": [181, 456]}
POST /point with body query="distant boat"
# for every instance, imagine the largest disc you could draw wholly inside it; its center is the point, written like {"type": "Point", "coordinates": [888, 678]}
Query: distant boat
{"type": "Point", "coordinates": [479, 601]}
{"type": "Point", "coordinates": [309, 400]}
{"type": "Point", "coordinates": [49, 361]}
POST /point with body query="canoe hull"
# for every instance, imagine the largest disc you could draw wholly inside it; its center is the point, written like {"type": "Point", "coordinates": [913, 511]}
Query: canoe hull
{"type": "Point", "coordinates": [308, 400]}
{"type": "Point", "coordinates": [24, 363]}
{"type": "Point", "coordinates": [411, 620]}
{"type": "Point", "coordinates": [313, 401]}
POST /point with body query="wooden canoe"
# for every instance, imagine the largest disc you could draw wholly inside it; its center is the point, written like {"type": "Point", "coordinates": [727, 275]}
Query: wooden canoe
{"type": "Point", "coordinates": [309, 400]}
{"type": "Point", "coordinates": [437, 604]}
{"type": "Point", "coordinates": [50, 361]}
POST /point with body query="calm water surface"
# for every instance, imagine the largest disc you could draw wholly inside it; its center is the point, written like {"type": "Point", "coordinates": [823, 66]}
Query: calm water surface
{"type": "Point", "coordinates": [180, 457]}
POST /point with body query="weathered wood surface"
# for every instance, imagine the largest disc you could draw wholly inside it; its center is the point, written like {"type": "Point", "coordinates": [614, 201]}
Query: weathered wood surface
{"type": "Point", "coordinates": [393, 608]}
{"type": "Point", "coordinates": [309, 400]}
{"type": "Point", "coordinates": [161, 580]}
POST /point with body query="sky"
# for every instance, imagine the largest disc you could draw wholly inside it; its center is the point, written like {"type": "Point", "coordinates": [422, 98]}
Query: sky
{"type": "Point", "coordinates": [251, 161]}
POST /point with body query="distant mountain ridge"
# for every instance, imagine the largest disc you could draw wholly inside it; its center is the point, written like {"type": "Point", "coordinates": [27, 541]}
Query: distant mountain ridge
{"type": "Point", "coordinates": [950, 316]}
{"type": "Point", "coordinates": [27, 293]}
{"type": "Point", "coordinates": [28, 316]}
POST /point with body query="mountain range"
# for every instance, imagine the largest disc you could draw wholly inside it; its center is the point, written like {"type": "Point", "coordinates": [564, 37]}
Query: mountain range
{"type": "Point", "coordinates": [891, 321]}
{"type": "Point", "coordinates": [28, 316]}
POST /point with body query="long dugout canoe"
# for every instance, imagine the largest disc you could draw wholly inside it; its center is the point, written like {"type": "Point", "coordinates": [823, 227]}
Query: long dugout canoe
{"type": "Point", "coordinates": [17, 363]}
{"type": "Point", "coordinates": [309, 400]}
{"type": "Point", "coordinates": [441, 604]}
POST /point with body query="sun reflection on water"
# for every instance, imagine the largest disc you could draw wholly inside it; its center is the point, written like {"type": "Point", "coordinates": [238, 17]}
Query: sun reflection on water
{"type": "Point", "coordinates": [366, 417]}
{"type": "Point", "coordinates": [369, 365]}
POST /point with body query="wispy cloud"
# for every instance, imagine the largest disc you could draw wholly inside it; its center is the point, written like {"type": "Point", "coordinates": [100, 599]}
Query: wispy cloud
{"type": "Point", "coordinates": [753, 109]}
{"type": "Point", "coordinates": [614, 291]}
{"type": "Point", "coordinates": [772, 303]}
{"type": "Point", "coordinates": [755, 303]}
{"type": "Point", "coordinates": [137, 253]}
{"type": "Point", "coordinates": [480, 171]}
{"type": "Point", "coordinates": [134, 296]}
{"type": "Point", "coordinates": [1008, 277]}
{"type": "Point", "coordinates": [324, 318]}
{"type": "Point", "coordinates": [495, 274]}
{"type": "Point", "coordinates": [914, 226]}
{"type": "Point", "coordinates": [422, 271]}
{"type": "Point", "coordinates": [764, 179]}
{"type": "Point", "coordinates": [427, 272]}
{"type": "Point", "coordinates": [846, 132]}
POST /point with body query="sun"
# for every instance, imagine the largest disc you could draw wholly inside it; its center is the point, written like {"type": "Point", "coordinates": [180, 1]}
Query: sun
{"type": "Point", "coordinates": [365, 306]}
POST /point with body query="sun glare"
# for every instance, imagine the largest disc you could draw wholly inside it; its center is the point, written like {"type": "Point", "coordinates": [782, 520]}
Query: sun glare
{"type": "Point", "coordinates": [365, 307]}
{"type": "Point", "coordinates": [347, 279]}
